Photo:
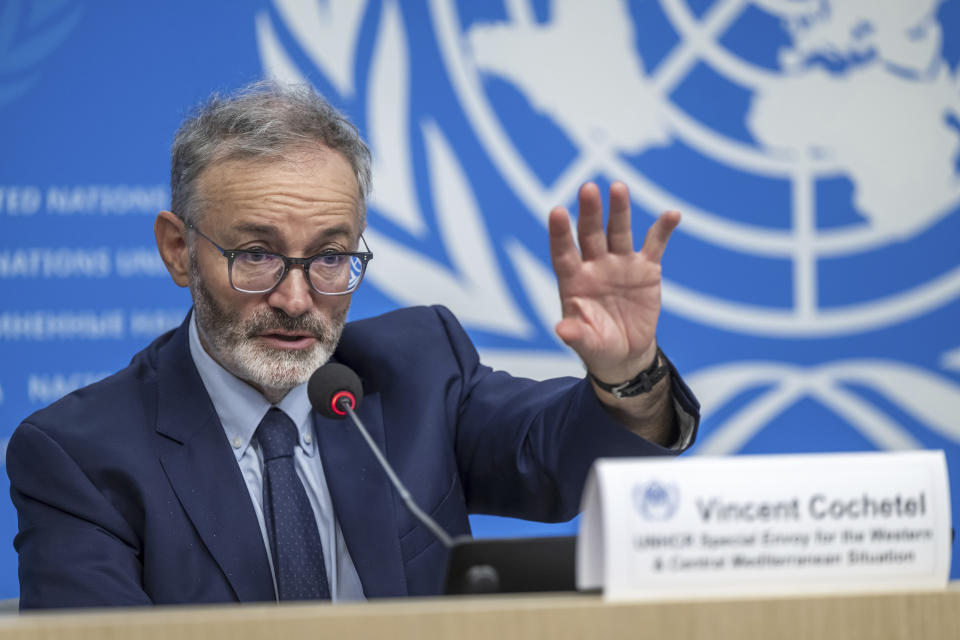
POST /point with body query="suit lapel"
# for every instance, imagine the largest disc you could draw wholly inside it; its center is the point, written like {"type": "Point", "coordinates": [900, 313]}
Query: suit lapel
{"type": "Point", "coordinates": [205, 476]}
{"type": "Point", "coordinates": [363, 499]}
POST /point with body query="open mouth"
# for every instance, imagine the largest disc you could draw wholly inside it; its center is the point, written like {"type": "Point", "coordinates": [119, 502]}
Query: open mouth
{"type": "Point", "coordinates": [288, 341]}
{"type": "Point", "coordinates": [280, 336]}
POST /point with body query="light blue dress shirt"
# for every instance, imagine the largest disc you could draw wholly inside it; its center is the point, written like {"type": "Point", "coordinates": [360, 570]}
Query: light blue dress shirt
{"type": "Point", "coordinates": [240, 408]}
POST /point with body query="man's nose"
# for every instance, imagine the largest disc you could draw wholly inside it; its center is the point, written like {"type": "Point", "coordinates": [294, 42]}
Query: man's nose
{"type": "Point", "coordinates": [293, 296]}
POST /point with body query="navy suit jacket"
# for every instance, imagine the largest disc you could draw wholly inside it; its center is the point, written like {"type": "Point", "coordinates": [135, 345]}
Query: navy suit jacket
{"type": "Point", "coordinates": [128, 492]}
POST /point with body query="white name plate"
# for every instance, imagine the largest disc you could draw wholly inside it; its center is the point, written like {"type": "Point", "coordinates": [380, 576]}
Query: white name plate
{"type": "Point", "coordinates": [759, 525]}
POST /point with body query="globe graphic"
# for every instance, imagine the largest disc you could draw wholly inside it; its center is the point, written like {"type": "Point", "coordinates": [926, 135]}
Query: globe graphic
{"type": "Point", "coordinates": [807, 119]}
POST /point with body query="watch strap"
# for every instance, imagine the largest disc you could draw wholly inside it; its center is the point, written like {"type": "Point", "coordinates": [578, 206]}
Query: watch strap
{"type": "Point", "coordinates": [642, 383]}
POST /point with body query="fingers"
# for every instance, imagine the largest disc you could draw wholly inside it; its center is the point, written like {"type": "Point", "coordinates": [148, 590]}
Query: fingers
{"type": "Point", "coordinates": [563, 252]}
{"type": "Point", "coordinates": [619, 231]}
{"type": "Point", "coordinates": [593, 240]}
{"type": "Point", "coordinates": [658, 234]}
{"type": "Point", "coordinates": [619, 236]}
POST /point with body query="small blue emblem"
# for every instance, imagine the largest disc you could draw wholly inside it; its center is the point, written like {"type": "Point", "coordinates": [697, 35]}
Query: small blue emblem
{"type": "Point", "coordinates": [656, 500]}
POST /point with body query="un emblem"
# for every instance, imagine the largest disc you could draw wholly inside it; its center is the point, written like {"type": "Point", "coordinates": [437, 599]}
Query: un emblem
{"type": "Point", "coordinates": [656, 501]}
{"type": "Point", "coordinates": [31, 32]}
{"type": "Point", "coordinates": [811, 146]}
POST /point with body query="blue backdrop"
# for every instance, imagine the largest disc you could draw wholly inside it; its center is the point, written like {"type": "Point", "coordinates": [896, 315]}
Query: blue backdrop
{"type": "Point", "coordinates": [812, 292]}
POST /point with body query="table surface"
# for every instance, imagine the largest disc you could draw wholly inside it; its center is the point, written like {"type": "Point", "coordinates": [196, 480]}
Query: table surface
{"type": "Point", "coordinates": [909, 615]}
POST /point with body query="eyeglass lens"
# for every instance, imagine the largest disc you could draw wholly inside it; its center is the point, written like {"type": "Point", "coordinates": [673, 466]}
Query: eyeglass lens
{"type": "Point", "coordinates": [256, 273]}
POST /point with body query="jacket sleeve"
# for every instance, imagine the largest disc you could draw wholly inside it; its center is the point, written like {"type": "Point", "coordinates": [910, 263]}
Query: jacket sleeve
{"type": "Point", "coordinates": [75, 549]}
{"type": "Point", "coordinates": [524, 447]}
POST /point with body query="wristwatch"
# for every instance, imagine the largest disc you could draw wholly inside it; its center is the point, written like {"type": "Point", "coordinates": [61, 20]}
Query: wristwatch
{"type": "Point", "coordinates": [643, 383]}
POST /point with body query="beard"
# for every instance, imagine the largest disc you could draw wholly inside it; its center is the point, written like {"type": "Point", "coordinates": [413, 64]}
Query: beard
{"type": "Point", "coordinates": [231, 340]}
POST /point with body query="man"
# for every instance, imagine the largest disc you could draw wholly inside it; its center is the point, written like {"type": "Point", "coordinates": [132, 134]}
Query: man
{"type": "Point", "coordinates": [200, 474]}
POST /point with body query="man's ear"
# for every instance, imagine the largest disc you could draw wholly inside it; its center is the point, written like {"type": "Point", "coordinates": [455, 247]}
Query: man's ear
{"type": "Point", "coordinates": [172, 244]}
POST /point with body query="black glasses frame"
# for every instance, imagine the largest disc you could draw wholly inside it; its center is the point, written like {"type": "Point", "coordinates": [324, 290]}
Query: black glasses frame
{"type": "Point", "coordinates": [303, 263]}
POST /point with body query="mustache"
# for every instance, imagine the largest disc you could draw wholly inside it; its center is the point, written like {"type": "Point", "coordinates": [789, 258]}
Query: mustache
{"type": "Point", "coordinates": [275, 320]}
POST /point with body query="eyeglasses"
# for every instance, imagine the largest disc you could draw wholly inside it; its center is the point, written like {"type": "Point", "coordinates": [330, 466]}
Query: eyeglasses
{"type": "Point", "coordinates": [334, 273]}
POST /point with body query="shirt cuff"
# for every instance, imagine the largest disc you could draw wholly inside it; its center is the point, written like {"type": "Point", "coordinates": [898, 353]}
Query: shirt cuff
{"type": "Point", "coordinates": [686, 424]}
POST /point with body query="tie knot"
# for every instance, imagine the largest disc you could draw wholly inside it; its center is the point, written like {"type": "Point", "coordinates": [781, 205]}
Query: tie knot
{"type": "Point", "coordinates": [277, 435]}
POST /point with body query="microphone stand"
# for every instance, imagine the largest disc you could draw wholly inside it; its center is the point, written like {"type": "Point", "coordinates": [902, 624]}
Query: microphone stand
{"type": "Point", "coordinates": [345, 404]}
{"type": "Point", "coordinates": [485, 566]}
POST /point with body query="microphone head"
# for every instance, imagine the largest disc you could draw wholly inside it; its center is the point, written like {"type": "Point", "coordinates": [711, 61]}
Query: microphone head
{"type": "Point", "coordinates": [330, 386]}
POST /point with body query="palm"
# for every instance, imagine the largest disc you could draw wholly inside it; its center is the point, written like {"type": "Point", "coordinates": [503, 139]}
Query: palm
{"type": "Point", "coordinates": [610, 295]}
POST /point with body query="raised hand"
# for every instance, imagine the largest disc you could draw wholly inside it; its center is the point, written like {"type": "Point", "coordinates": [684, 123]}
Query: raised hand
{"type": "Point", "coordinates": [609, 293]}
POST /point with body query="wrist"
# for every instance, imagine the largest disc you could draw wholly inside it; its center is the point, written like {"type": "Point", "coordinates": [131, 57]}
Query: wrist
{"type": "Point", "coordinates": [640, 384]}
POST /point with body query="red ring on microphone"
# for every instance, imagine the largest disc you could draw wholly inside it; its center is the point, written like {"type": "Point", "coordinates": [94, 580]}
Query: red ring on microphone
{"type": "Point", "coordinates": [335, 402]}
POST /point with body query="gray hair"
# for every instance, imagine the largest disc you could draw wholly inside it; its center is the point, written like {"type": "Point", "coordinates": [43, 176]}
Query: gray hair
{"type": "Point", "coordinates": [261, 120]}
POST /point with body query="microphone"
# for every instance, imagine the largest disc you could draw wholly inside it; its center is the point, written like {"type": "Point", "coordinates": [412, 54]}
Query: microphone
{"type": "Point", "coordinates": [335, 391]}
{"type": "Point", "coordinates": [330, 386]}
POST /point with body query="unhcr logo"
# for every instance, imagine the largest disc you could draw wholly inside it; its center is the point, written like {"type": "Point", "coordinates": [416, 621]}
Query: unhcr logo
{"type": "Point", "coordinates": [656, 500]}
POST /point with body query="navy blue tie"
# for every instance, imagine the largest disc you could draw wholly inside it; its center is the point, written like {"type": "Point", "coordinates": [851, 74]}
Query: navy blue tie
{"type": "Point", "coordinates": [291, 524]}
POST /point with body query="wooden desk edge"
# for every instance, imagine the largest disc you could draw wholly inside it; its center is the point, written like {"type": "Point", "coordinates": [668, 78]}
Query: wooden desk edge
{"type": "Point", "coordinates": [912, 614]}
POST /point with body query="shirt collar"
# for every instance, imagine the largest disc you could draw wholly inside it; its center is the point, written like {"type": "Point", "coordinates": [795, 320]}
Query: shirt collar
{"type": "Point", "coordinates": [240, 407]}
